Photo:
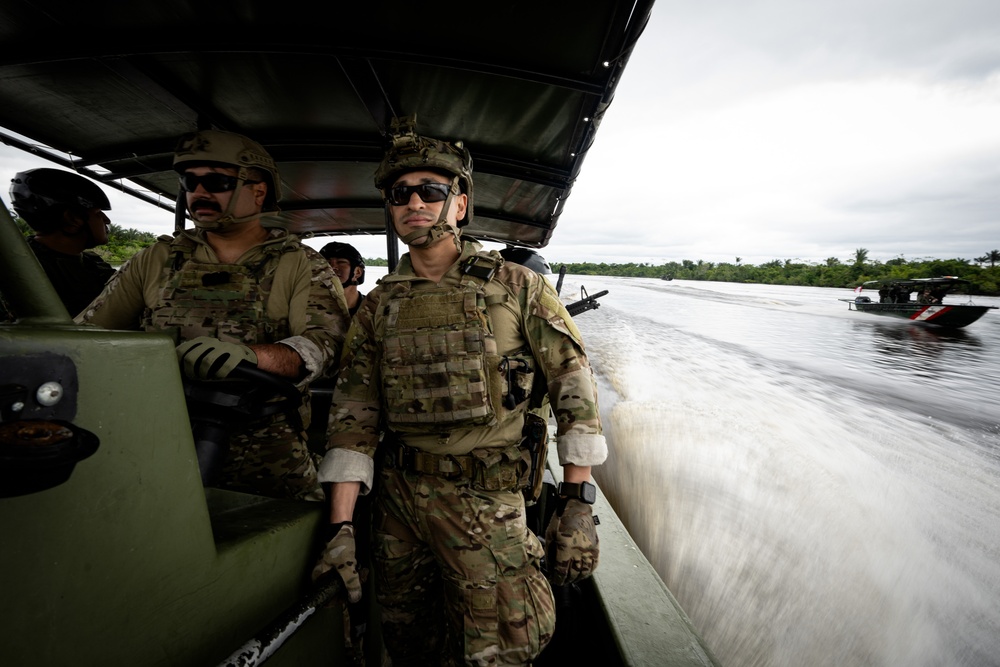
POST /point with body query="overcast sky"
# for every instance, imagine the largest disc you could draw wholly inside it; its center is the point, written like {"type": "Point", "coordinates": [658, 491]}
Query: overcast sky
{"type": "Point", "coordinates": [782, 129]}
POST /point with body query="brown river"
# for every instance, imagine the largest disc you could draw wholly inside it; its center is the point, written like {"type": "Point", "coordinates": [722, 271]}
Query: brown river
{"type": "Point", "coordinates": [817, 486]}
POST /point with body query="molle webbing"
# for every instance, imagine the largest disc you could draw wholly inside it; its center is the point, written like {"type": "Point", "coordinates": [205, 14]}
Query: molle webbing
{"type": "Point", "coordinates": [225, 301]}
{"type": "Point", "coordinates": [435, 358]}
{"type": "Point", "coordinates": [439, 354]}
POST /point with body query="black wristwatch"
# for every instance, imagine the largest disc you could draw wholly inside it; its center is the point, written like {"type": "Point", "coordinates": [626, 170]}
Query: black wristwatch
{"type": "Point", "coordinates": [584, 491]}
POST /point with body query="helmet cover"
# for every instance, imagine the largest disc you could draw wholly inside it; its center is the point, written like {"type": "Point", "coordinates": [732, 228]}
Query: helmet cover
{"type": "Point", "coordinates": [412, 152]}
{"type": "Point", "coordinates": [228, 149]}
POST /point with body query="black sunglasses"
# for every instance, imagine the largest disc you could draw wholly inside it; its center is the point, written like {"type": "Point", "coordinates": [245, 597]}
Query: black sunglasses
{"type": "Point", "coordinates": [212, 182]}
{"type": "Point", "coordinates": [399, 195]}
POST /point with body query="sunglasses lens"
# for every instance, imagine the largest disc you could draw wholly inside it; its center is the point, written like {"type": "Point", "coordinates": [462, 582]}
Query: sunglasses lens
{"type": "Point", "coordinates": [211, 182]}
{"type": "Point", "coordinates": [429, 192]}
{"type": "Point", "coordinates": [433, 192]}
{"type": "Point", "coordinates": [399, 195]}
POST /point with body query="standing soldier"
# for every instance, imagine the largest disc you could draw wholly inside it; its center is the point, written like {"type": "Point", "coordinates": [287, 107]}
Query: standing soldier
{"type": "Point", "coordinates": [67, 213]}
{"type": "Point", "coordinates": [233, 290]}
{"type": "Point", "coordinates": [349, 265]}
{"type": "Point", "coordinates": [442, 357]}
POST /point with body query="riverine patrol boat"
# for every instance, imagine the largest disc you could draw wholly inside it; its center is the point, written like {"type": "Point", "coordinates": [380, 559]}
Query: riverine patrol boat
{"type": "Point", "coordinates": [114, 553]}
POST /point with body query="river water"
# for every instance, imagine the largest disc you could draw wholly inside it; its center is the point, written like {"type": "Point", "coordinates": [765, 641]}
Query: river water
{"type": "Point", "coordinates": [816, 486]}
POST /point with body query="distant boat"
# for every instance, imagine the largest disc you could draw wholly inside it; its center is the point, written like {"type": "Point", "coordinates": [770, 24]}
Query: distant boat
{"type": "Point", "coordinates": [667, 277]}
{"type": "Point", "coordinates": [928, 308]}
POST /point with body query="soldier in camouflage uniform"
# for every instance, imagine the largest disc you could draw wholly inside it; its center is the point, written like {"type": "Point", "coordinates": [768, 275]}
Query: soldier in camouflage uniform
{"type": "Point", "coordinates": [232, 290]}
{"type": "Point", "coordinates": [441, 358]}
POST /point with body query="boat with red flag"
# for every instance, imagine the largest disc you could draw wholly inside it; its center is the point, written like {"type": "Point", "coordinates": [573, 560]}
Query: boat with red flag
{"type": "Point", "coordinates": [918, 300]}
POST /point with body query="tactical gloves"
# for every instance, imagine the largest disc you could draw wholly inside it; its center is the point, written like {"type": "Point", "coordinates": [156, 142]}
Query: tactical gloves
{"type": "Point", "coordinates": [571, 543]}
{"type": "Point", "coordinates": [207, 358]}
{"type": "Point", "coordinates": [339, 554]}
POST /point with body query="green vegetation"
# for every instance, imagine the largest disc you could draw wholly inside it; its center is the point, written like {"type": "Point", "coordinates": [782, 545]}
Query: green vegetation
{"type": "Point", "coordinates": [831, 273]}
{"type": "Point", "coordinates": [123, 243]}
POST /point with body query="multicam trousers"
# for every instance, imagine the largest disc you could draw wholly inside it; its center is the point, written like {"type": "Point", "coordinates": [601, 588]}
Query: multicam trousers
{"type": "Point", "coordinates": [272, 460]}
{"type": "Point", "coordinates": [457, 574]}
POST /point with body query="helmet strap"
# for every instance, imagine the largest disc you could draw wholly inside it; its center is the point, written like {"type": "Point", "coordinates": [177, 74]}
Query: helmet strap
{"type": "Point", "coordinates": [228, 218]}
{"type": "Point", "coordinates": [351, 280]}
{"type": "Point", "coordinates": [440, 228]}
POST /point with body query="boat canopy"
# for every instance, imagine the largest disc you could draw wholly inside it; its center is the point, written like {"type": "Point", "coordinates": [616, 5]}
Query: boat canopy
{"type": "Point", "coordinates": [524, 85]}
{"type": "Point", "coordinates": [945, 284]}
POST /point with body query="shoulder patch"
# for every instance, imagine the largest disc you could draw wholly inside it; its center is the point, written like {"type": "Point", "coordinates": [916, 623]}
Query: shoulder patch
{"type": "Point", "coordinates": [551, 309]}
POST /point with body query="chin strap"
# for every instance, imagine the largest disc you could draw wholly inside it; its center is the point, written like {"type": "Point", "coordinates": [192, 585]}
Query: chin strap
{"type": "Point", "coordinates": [227, 218]}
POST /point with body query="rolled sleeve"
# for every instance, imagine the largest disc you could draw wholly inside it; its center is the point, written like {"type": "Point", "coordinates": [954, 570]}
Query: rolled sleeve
{"type": "Point", "coordinates": [312, 355]}
{"type": "Point", "coordinates": [344, 465]}
{"type": "Point", "coordinates": [581, 449]}
{"type": "Point", "coordinates": [317, 315]}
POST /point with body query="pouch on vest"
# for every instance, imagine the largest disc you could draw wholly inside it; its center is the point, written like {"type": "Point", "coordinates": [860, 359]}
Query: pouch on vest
{"type": "Point", "coordinates": [439, 363]}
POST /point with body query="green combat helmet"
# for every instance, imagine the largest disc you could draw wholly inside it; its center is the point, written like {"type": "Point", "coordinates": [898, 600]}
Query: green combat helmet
{"type": "Point", "coordinates": [411, 152]}
{"type": "Point", "coordinates": [228, 149]}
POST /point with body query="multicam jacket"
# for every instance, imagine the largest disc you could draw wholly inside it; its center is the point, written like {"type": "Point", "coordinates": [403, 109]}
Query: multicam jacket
{"type": "Point", "coordinates": [278, 292]}
{"type": "Point", "coordinates": [525, 322]}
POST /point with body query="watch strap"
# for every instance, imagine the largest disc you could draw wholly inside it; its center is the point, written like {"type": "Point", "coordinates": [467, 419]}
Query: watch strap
{"type": "Point", "coordinates": [583, 491]}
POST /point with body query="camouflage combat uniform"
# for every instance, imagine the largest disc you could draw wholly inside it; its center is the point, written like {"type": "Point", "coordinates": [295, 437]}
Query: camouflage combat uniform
{"type": "Point", "coordinates": [279, 291]}
{"type": "Point", "coordinates": [452, 546]}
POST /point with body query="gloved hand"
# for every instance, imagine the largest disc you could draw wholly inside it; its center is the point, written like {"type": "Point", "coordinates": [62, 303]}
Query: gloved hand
{"type": "Point", "coordinates": [207, 358]}
{"type": "Point", "coordinates": [571, 542]}
{"type": "Point", "coordinates": [339, 555]}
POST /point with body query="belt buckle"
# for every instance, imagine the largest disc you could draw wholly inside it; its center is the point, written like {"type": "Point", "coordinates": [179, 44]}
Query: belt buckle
{"type": "Point", "coordinates": [399, 457]}
{"type": "Point", "coordinates": [457, 471]}
{"type": "Point", "coordinates": [405, 457]}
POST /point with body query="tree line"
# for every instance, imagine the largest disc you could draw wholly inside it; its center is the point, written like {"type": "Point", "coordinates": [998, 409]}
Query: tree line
{"type": "Point", "coordinates": [982, 272]}
{"type": "Point", "coordinates": [122, 243]}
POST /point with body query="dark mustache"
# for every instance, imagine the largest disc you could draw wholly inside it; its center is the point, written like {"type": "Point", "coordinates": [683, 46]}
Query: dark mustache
{"type": "Point", "coordinates": [206, 204]}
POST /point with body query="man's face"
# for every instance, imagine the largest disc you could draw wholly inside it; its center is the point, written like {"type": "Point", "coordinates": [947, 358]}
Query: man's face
{"type": "Point", "coordinates": [417, 213]}
{"type": "Point", "coordinates": [97, 227]}
{"type": "Point", "coordinates": [90, 226]}
{"type": "Point", "coordinates": [342, 268]}
{"type": "Point", "coordinates": [206, 206]}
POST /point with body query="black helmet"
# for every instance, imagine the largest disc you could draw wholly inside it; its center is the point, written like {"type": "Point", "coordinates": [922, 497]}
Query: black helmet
{"type": "Point", "coordinates": [339, 250]}
{"type": "Point", "coordinates": [526, 257]}
{"type": "Point", "coordinates": [36, 193]}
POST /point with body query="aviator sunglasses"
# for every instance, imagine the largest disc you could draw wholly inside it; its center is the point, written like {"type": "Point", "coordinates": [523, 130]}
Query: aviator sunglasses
{"type": "Point", "coordinates": [399, 195]}
{"type": "Point", "coordinates": [212, 182]}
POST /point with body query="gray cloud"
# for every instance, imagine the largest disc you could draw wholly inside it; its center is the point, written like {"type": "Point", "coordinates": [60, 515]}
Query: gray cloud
{"type": "Point", "coordinates": [774, 129]}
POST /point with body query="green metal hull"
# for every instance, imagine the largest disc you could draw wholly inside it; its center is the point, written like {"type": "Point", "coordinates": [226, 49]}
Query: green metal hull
{"type": "Point", "coordinates": [120, 565]}
{"type": "Point", "coordinates": [946, 316]}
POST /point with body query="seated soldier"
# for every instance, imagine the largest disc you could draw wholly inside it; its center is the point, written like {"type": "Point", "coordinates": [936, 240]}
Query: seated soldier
{"type": "Point", "coordinates": [66, 211]}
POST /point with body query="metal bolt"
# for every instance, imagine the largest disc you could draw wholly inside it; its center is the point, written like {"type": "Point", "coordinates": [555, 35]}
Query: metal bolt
{"type": "Point", "coordinates": [49, 394]}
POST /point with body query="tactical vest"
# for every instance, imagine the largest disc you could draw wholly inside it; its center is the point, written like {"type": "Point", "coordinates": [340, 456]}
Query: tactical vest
{"type": "Point", "coordinates": [226, 301]}
{"type": "Point", "coordinates": [440, 364]}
